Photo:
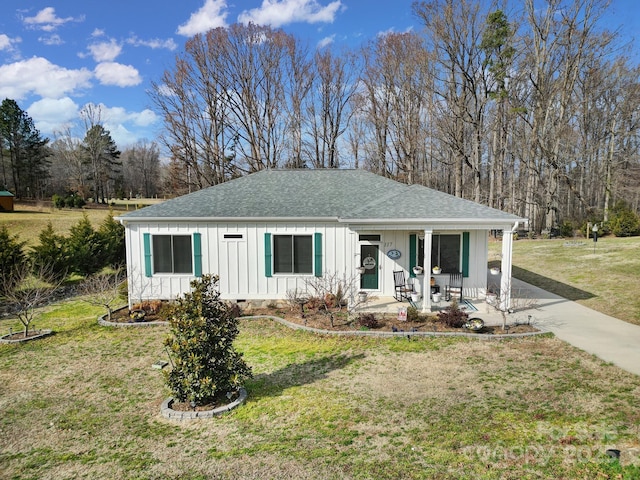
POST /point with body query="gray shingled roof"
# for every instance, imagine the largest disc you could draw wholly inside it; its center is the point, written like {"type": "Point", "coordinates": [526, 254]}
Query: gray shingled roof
{"type": "Point", "coordinates": [350, 195]}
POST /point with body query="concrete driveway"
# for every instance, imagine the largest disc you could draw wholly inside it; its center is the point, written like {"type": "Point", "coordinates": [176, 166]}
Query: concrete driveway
{"type": "Point", "coordinates": [608, 338]}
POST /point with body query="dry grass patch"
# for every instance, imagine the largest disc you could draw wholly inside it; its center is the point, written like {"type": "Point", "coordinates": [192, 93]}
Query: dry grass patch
{"type": "Point", "coordinates": [85, 404]}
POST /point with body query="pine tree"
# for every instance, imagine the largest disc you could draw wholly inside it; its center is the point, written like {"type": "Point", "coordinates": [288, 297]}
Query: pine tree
{"type": "Point", "coordinates": [101, 155]}
{"type": "Point", "coordinates": [27, 151]}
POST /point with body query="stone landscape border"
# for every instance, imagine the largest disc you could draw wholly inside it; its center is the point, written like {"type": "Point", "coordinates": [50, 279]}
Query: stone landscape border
{"type": "Point", "coordinates": [373, 333]}
{"type": "Point", "coordinates": [40, 334]}
{"type": "Point", "coordinates": [102, 320]}
{"type": "Point", "coordinates": [168, 412]}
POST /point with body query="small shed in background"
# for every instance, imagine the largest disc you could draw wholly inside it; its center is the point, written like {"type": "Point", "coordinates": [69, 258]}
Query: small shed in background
{"type": "Point", "coordinates": [6, 201]}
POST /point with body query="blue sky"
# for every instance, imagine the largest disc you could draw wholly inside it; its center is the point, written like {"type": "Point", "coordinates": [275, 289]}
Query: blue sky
{"type": "Point", "coordinates": [56, 57]}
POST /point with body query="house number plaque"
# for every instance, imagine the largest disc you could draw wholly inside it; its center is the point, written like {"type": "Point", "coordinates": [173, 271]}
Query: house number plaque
{"type": "Point", "coordinates": [393, 254]}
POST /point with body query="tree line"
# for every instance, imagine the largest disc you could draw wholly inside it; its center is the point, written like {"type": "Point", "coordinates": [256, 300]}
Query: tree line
{"type": "Point", "coordinates": [535, 111]}
{"type": "Point", "coordinates": [69, 169]}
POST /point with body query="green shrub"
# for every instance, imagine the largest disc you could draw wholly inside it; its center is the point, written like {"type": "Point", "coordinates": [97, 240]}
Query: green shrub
{"type": "Point", "coordinates": [85, 248]}
{"type": "Point", "coordinates": [51, 253]}
{"type": "Point", "coordinates": [58, 201]}
{"type": "Point", "coordinates": [11, 252]}
{"type": "Point", "coordinates": [205, 364]}
{"type": "Point", "coordinates": [624, 221]}
{"type": "Point", "coordinates": [111, 238]}
{"type": "Point", "coordinates": [412, 314]}
{"type": "Point", "coordinates": [566, 229]}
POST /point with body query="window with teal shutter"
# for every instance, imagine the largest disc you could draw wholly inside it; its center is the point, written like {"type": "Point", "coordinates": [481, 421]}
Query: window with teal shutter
{"type": "Point", "coordinates": [317, 254]}
{"type": "Point", "coordinates": [413, 250]}
{"type": "Point", "coordinates": [267, 254]}
{"type": "Point", "coordinates": [197, 255]}
{"type": "Point", "coordinates": [465, 254]}
{"type": "Point", "coordinates": [146, 238]}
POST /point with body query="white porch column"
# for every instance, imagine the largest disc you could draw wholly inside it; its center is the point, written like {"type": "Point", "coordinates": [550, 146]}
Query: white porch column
{"type": "Point", "coordinates": [426, 288]}
{"type": "Point", "coordinates": [505, 268]}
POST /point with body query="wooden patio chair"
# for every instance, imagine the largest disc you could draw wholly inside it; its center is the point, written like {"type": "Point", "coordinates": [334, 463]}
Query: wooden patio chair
{"type": "Point", "coordinates": [454, 286]}
{"type": "Point", "coordinates": [403, 289]}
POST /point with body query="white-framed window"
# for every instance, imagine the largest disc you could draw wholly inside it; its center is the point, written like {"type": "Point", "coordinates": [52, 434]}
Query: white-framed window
{"type": "Point", "coordinates": [172, 254]}
{"type": "Point", "coordinates": [293, 254]}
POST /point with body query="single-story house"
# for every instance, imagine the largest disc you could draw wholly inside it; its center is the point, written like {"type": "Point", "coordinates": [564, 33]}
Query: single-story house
{"type": "Point", "coordinates": [6, 201]}
{"type": "Point", "coordinates": [266, 233]}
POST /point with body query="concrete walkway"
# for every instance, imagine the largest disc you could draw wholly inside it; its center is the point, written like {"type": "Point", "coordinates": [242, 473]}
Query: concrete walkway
{"type": "Point", "coordinates": [608, 338]}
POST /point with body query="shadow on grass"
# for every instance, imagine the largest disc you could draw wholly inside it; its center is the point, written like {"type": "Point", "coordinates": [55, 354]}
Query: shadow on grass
{"type": "Point", "coordinates": [551, 285]}
{"type": "Point", "coordinates": [296, 374]}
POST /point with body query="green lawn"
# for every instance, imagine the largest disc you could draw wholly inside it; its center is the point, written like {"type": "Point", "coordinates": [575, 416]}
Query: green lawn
{"type": "Point", "coordinates": [603, 277]}
{"type": "Point", "coordinates": [85, 402]}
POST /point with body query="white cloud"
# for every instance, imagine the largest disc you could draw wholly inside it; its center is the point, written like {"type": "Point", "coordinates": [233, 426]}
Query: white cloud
{"type": "Point", "coordinates": [105, 51]}
{"type": "Point", "coordinates": [47, 20]}
{"type": "Point", "coordinates": [53, 115]}
{"type": "Point", "coordinates": [54, 39]}
{"type": "Point", "coordinates": [154, 43]}
{"type": "Point", "coordinates": [39, 76]}
{"type": "Point", "coordinates": [326, 41]}
{"type": "Point", "coordinates": [8, 44]}
{"type": "Point", "coordinates": [282, 12]}
{"type": "Point", "coordinates": [211, 15]}
{"type": "Point", "coordinates": [126, 128]}
{"type": "Point", "coordinates": [113, 73]}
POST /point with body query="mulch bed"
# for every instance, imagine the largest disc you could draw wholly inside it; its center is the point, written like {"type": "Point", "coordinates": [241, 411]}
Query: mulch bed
{"type": "Point", "coordinates": [386, 322]}
{"type": "Point", "coordinates": [124, 316]}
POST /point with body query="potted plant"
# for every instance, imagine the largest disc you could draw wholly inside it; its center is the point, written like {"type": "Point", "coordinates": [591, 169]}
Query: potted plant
{"type": "Point", "coordinates": [474, 324]}
{"type": "Point", "coordinates": [362, 296]}
{"type": "Point", "coordinates": [436, 270]}
{"type": "Point", "coordinates": [415, 297]}
{"type": "Point", "coordinates": [360, 270]}
{"type": "Point", "coordinates": [417, 270]}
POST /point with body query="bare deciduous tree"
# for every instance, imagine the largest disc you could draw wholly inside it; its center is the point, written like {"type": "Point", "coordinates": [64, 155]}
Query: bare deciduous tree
{"type": "Point", "coordinates": [27, 290]}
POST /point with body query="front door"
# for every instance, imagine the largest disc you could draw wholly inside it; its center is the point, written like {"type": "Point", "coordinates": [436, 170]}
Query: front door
{"type": "Point", "coordinates": [369, 260]}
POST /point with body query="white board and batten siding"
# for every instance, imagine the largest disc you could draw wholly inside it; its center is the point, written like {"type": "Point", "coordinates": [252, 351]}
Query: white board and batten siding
{"type": "Point", "coordinates": [236, 253]}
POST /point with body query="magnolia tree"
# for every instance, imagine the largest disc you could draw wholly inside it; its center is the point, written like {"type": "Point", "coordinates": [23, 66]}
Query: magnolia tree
{"type": "Point", "coordinates": [206, 367]}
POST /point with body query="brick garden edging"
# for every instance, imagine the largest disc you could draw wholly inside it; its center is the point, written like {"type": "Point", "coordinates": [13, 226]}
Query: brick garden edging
{"type": "Point", "coordinates": [168, 412]}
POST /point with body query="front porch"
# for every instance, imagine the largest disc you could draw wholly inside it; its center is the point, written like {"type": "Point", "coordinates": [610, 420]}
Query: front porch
{"type": "Point", "coordinates": [474, 307]}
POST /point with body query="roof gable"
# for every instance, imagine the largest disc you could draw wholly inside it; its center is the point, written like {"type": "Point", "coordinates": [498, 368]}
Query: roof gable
{"type": "Point", "coordinates": [348, 195]}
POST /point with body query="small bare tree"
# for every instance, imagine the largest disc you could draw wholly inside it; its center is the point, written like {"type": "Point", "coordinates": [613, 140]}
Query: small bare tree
{"type": "Point", "coordinates": [520, 299]}
{"type": "Point", "coordinates": [103, 289]}
{"type": "Point", "coordinates": [26, 290]}
{"type": "Point", "coordinates": [335, 291]}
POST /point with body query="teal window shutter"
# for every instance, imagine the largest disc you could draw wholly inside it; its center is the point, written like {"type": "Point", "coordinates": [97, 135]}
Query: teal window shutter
{"type": "Point", "coordinates": [413, 252]}
{"type": "Point", "coordinates": [197, 254]}
{"type": "Point", "coordinates": [465, 254]}
{"type": "Point", "coordinates": [267, 254]}
{"type": "Point", "coordinates": [317, 254]}
{"type": "Point", "coordinates": [146, 238]}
